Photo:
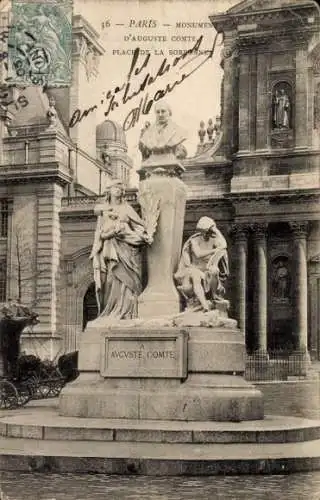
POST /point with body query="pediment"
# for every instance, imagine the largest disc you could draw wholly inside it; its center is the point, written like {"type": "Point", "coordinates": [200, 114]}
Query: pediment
{"type": "Point", "coordinates": [252, 6]}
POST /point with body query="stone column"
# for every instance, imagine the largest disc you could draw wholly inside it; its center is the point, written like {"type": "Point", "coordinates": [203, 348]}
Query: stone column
{"type": "Point", "coordinates": [300, 285]}
{"type": "Point", "coordinates": [260, 298]}
{"type": "Point", "coordinates": [163, 189]}
{"type": "Point", "coordinates": [241, 248]}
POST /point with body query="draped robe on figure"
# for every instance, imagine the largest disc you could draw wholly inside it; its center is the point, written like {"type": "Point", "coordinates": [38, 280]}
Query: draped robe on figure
{"type": "Point", "coordinates": [116, 263]}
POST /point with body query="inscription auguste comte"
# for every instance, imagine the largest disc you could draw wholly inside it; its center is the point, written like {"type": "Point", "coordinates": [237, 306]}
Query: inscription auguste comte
{"type": "Point", "coordinates": [144, 354]}
{"type": "Point", "coordinates": [141, 354]}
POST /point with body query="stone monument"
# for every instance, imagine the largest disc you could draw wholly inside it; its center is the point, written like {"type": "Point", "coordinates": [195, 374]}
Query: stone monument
{"type": "Point", "coordinates": [163, 199]}
{"type": "Point", "coordinates": [162, 363]}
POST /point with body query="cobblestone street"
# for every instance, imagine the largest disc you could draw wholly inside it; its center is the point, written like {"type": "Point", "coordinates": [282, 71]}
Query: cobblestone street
{"type": "Point", "coordinates": [101, 487]}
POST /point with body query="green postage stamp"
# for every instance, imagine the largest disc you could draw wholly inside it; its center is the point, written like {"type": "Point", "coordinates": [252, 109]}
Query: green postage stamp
{"type": "Point", "coordinates": [40, 43]}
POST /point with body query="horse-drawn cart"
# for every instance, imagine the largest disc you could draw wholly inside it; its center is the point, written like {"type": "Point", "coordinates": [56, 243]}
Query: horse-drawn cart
{"type": "Point", "coordinates": [27, 377]}
{"type": "Point", "coordinates": [34, 379]}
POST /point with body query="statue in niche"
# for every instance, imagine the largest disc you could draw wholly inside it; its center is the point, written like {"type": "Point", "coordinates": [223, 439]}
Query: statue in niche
{"type": "Point", "coordinates": [203, 267]}
{"type": "Point", "coordinates": [164, 136]}
{"type": "Point", "coordinates": [280, 280]}
{"type": "Point", "coordinates": [281, 109]}
{"type": "Point", "coordinates": [115, 255]}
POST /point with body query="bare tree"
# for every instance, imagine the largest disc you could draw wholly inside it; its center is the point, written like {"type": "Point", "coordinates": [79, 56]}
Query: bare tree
{"type": "Point", "coordinates": [23, 272]}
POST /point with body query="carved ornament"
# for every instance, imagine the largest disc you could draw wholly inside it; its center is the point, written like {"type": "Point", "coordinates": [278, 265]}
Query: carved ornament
{"type": "Point", "coordinates": [299, 228]}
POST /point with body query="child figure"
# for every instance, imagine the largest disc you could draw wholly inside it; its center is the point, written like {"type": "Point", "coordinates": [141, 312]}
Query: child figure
{"type": "Point", "coordinates": [112, 227]}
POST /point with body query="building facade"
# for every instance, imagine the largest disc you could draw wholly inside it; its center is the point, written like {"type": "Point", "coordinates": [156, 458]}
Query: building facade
{"type": "Point", "coordinates": [256, 172]}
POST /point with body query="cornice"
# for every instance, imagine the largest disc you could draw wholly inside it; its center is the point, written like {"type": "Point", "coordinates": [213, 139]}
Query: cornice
{"type": "Point", "coordinates": [264, 37]}
{"type": "Point", "coordinates": [293, 14]}
{"type": "Point", "coordinates": [313, 194]}
{"type": "Point", "coordinates": [197, 203]}
{"type": "Point", "coordinates": [38, 136]}
{"type": "Point", "coordinates": [28, 173]}
{"type": "Point", "coordinates": [223, 166]}
{"type": "Point", "coordinates": [288, 153]}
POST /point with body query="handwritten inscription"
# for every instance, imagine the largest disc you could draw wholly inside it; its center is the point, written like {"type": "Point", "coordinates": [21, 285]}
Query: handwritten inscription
{"type": "Point", "coordinates": [140, 77]}
{"type": "Point", "coordinates": [143, 355]}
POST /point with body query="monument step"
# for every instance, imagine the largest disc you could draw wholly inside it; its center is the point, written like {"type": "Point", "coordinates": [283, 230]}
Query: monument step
{"type": "Point", "coordinates": [157, 459]}
{"type": "Point", "coordinates": [43, 423]}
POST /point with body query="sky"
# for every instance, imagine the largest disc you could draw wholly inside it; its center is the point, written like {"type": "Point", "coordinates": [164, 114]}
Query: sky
{"type": "Point", "coordinates": [120, 23]}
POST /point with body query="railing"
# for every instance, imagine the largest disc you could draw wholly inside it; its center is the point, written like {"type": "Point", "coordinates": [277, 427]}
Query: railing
{"type": "Point", "coordinates": [74, 201]}
{"type": "Point", "coordinates": [276, 365]}
{"type": "Point", "coordinates": [78, 201]}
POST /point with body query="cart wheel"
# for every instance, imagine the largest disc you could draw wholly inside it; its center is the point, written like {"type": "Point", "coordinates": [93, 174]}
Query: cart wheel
{"type": "Point", "coordinates": [8, 395]}
{"type": "Point", "coordinates": [33, 385]}
{"type": "Point", "coordinates": [24, 394]}
{"type": "Point", "coordinates": [44, 389]}
{"type": "Point", "coordinates": [56, 387]}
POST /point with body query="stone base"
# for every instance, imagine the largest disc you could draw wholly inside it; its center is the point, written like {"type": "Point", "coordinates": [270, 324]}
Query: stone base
{"type": "Point", "coordinates": [226, 399]}
{"type": "Point", "coordinates": [37, 439]}
{"type": "Point", "coordinates": [167, 373]}
{"type": "Point", "coordinates": [299, 363]}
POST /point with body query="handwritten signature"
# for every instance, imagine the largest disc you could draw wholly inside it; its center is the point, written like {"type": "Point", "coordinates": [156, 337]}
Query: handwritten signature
{"type": "Point", "coordinates": [123, 93]}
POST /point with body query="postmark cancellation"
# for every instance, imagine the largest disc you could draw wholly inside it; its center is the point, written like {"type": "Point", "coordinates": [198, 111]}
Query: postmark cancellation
{"type": "Point", "coordinates": [40, 43]}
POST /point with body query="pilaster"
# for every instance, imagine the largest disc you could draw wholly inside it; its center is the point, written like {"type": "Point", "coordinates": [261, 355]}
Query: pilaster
{"type": "Point", "coordinates": [301, 104]}
{"type": "Point", "coordinates": [262, 126]}
{"type": "Point", "coordinates": [244, 102]}
{"type": "Point", "coordinates": [48, 257]}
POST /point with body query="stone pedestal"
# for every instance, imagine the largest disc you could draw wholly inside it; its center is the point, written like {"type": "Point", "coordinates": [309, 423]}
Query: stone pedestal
{"type": "Point", "coordinates": [163, 373]}
{"type": "Point", "coordinates": [163, 186]}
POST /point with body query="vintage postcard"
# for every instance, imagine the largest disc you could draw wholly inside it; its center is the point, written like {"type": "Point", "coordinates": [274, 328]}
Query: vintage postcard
{"type": "Point", "coordinates": [159, 249]}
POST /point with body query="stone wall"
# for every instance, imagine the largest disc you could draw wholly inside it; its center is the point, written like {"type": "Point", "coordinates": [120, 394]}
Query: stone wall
{"type": "Point", "coordinates": [300, 398]}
